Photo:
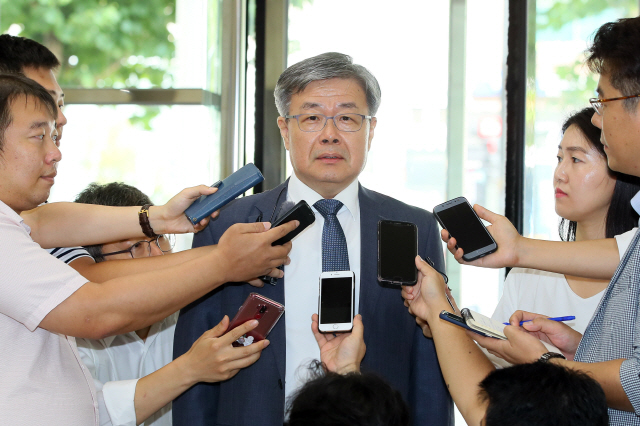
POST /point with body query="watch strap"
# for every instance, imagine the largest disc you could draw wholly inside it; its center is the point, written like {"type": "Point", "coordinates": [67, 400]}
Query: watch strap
{"type": "Point", "coordinates": [143, 217]}
{"type": "Point", "coordinates": [550, 355]}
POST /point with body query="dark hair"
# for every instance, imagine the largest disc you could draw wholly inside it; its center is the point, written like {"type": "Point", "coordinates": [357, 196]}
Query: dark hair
{"type": "Point", "coordinates": [324, 67]}
{"type": "Point", "coordinates": [13, 87]}
{"type": "Point", "coordinates": [542, 393]}
{"type": "Point", "coordinates": [116, 194]}
{"type": "Point", "coordinates": [615, 51]}
{"type": "Point", "coordinates": [18, 53]}
{"type": "Point", "coordinates": [331, 399]}
{"type": "Point", "coordinates": [621, 217]}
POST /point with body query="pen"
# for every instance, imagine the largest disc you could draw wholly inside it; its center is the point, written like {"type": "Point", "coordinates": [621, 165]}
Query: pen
{"type": "Point", "coordinates": [568, 318]}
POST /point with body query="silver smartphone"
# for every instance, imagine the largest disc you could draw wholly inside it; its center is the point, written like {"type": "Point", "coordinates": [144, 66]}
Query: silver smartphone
{"type": "Point", "coordinates": [461, 221]}
{"type": "Point", "coordinates": [335, 301]}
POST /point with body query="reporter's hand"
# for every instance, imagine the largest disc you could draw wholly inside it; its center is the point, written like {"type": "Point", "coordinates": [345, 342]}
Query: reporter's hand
{"type": "Point", "coordinates": [520, 347]}
{"type": "Point", "coordinates": [343, 352]}
{"type": "Point", "coordinates": [212, 358]}
{"type": "Point", "coordinates": [557, 333]}
{"type": "Point", "coordinates": [502, 231]}
{"type": "Point", "coordinates": [247, 253]}
{"type": "Point", "coordinates": [427, 298]}
{"type": "Point", "coordinates": [170, 218]}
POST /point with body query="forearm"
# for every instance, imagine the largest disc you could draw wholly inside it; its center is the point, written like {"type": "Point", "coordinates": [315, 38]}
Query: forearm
{"type": "Point", "coordinates": [75, 224]}
{"type": "Point", "coordinates": [161, 387]}
{"type": "Point", "coordinates": [607, 374]}
{"type": "Point", "coordinates": [462, 363]}
{"type": "Point", "coordinates": [132, 302]}
{"type": "Point", "coordinates": [592, 259]}
{"type": "Point", "coordinates": [104, 271]}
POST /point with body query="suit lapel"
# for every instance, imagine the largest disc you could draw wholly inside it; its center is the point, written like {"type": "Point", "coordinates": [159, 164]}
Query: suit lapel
{"type": "Point", "coordinates": [263, 212]}
{"type": "Point", "coordinates": [370, 214]}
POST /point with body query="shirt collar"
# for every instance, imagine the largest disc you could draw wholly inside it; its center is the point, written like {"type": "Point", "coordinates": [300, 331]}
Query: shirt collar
{"type": "Point", "coordinates": [349, 196]}
{"type": "Point", "coordinates": [635, 202]}
{"type": "Point", "coordinates": [11, 214]}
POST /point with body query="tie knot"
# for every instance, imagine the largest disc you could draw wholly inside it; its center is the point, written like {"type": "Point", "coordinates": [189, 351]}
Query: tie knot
{"type": "Point", "coordinates": [328, 207]}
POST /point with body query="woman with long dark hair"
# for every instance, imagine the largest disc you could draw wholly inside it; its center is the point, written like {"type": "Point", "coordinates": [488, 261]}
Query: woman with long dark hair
{"type": "Point", "coordinates": [593, 203]}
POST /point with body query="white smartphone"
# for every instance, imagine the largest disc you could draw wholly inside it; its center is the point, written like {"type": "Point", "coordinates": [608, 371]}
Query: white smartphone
{"type": "Point", "coordinates": [335, 302]}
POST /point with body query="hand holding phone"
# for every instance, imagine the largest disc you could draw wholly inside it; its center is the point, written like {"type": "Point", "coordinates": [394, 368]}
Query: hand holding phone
{"type": "Point", "coordinates": [461, 221]}
{"type": "Point", "coordinates": [335, 301]}
{"type": "Point", "coordinates": [261, 308]}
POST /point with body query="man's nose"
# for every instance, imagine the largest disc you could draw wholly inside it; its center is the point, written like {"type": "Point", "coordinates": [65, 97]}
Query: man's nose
{"type": "Point", "coordinates": [596, 120]}
{"type": "Point", "coordinates": [330, 132]}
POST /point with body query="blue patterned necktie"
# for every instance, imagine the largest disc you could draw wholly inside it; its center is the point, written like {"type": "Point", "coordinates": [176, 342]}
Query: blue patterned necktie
{"type": "Point", "coordinates": [335, 256]}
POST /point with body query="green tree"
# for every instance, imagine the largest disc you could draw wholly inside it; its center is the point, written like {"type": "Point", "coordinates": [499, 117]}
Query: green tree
{"type": "Point", "coordinates": [100, 43]}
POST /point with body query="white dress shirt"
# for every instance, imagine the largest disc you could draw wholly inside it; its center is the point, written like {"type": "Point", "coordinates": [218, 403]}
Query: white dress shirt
{"type": "Point", "coordinates": [302, 277]}
{"type": "Point", "coordinates": [117, 362]}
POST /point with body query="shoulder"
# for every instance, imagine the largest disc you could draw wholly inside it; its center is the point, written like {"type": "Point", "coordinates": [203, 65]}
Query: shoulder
{"type": "Point", "coordinates": [396, 209]}
{"type": "Point", "coordinates": [68, 254]}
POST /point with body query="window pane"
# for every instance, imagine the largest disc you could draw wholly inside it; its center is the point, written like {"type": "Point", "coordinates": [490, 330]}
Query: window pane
{"type": "Point", "coordinates": [562, 85]}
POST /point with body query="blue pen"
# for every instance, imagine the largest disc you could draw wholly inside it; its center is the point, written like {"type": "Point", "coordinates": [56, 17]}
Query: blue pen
{"type": "Point", "coordinates": [569, 318]}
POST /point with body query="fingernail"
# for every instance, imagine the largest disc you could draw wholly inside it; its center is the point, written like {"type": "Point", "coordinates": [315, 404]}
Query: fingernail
{"type": "Point", "coordinates": [266, 343]}
{"type": "Point", "coordinates": [253, 322]}
{"type": "Point", "coordinates": [266, 225]}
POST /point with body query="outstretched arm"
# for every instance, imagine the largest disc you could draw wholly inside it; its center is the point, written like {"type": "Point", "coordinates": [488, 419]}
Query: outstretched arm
{"type": "Point", "coordinates": [462, 363]}
{"type": "Point", "coordinates": [76, 224]}
{"type": "Point", "coordinates": [133, 302]}
{"type": "Point", "coordinates": [212, 358]}
{"type": "Point", "coordinates": [591, 259]}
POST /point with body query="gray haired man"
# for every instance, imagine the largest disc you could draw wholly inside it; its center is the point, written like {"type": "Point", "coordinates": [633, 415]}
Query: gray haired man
{"type": "Point", "coordinates": [327, 106]}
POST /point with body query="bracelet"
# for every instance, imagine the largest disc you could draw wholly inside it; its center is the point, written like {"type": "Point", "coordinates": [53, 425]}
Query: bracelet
{"type": "Point", "coordinates": [550, 355]}
{"type": "Point", "coordinates": [143, 217]}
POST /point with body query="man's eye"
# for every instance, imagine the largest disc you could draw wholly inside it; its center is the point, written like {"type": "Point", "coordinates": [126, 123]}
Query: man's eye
{"type": "Point", "coordinates": [345, 118]}
{"type": "Point", "coordinates": [312, 118]}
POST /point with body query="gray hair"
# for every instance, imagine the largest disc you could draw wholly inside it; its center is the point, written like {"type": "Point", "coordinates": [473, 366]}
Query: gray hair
{"type": "Point", "coordinates": [324, 67]}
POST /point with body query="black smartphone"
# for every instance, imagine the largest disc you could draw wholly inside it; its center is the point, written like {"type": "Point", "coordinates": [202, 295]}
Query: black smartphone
{"type": "Point", "coordinates": [397, 251]}
{"type": "Point", "coordinates": [461, 221]}
{"type": "Point", "coordinates": [335, 301]}
{"type": "Point", "coordinates": [459, 321]}
{"type": "Point", "coordinates": [300, 212]}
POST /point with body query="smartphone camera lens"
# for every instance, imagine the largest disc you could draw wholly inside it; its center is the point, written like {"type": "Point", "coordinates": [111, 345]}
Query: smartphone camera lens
{"type": "Point", "coordinates": [263, 309]}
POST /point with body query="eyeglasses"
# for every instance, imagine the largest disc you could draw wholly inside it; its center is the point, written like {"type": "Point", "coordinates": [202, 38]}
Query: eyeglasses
{"type": "Point", "coordinates": [143, 248]}
{"type": "Point", "coordinates": [597, 103]}
{"type": "Point", "coordinates": [315, 122]}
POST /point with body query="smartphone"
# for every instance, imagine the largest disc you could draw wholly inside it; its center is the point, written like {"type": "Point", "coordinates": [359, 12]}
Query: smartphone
{"type": "Point", "coordinates": [300, 212]}
{"type": "Point", "coordinates": [397, 251]}
{"type": "Point", "coordinates": [459, 321]}
{"type": "Point", "coordinates": [235, 184]}
{"type": "Point", "coordinates": [265, 310]}
{"type": "Point", "coordinates": [461, 221]}
{"type": "Point", "coordinates": [335, 301]}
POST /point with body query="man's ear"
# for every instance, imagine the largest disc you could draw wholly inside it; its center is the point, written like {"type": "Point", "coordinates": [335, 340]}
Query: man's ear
{"type": "Point", "coordinates": [284, 131]}
{"type": "Point", "coordinates": [372, 127]}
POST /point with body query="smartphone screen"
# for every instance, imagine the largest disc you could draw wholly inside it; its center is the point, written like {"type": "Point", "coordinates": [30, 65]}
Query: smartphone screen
{"type": "Point", "coordinates": [458, 217]}
{"type": "Point", "coordinates": [336, 303]}
{"type": "Point", "coordinates": [397, 251]}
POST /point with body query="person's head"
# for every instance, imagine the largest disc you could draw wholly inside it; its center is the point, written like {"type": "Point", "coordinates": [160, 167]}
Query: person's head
{"type": "Point", "coordinates": [327, 159]}
{"type": "Point", "coordinates": [331, 399]}
{"type": "Point", "coordinates": [542, 393]}
{"type": "Point", "coordinates": [29, 152]}
{"type": "Point", "coordinates": [586, 189]}
{"type": "Point", "coordinates": [19, 55]}
{"type": "Point", "coordinates": [613, 54]}
{"type": "Point", "coordinates": [117, 194]}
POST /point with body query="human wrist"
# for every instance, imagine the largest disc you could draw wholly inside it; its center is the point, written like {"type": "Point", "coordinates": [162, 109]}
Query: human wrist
{"type": "Point", "coordinates": [348, 368]}
{"type": "Point", "coordinates": [186, 374]}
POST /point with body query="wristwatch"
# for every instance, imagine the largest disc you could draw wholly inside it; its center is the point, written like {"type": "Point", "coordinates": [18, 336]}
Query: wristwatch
{"type": "Point", "coordinates": [550, 355]}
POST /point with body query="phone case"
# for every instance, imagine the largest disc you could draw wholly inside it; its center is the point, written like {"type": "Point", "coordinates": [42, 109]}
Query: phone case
{"type": "Point", "coordinates": [467, 256]}
{"type": "Point", "coordinates": [301, 212]}
{"type": "Point", "coordinates": [265, 310]}
{"type": "Point", "coordinates": [396, 280]}
{"type": "Point", "coordinates": [235, 184]}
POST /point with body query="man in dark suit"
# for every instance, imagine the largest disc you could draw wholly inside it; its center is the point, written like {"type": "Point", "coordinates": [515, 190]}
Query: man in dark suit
{"type": "Point", "coordinates": [327, 106]}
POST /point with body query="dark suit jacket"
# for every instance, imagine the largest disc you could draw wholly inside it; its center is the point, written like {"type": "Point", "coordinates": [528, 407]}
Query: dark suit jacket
{"type": "Point", "coordinates": [396, 348]}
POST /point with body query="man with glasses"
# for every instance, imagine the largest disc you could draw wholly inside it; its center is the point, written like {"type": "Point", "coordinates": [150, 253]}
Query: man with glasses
{"type": "Point", "coordinates": [609, 350]}
{"type": "Point", "coordinates": [134, 375]}
{"type": "Point", "coordinates": [327, 107]}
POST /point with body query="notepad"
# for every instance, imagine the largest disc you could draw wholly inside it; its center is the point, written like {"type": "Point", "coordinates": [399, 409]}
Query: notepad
{"type": "Point", "coordinates": [483, 324]}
